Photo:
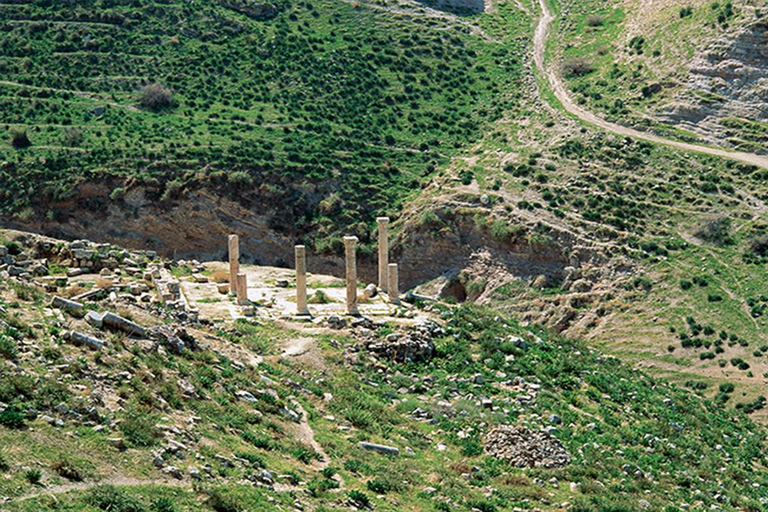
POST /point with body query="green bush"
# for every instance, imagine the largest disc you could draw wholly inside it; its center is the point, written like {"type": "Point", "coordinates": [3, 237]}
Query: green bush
{"type": "Point", "coordinates": [33, 476]}
{"type": "Point", "coordinates": [20, 139]}
{"type": "Point", "coordinates": [359, 499]}
{"type": "Point", "coordinates": [7, 347]}
{"type": "Point", "coordinates": [727, 387]}
{"type": "Point", "coordinates": [111, 499]}
{"type": "Point", "coordinates": [12, 417]}
{"type": "Point", "coordinates": [163, 504]}
{"type": "Point", "coordinates": [139, 429]}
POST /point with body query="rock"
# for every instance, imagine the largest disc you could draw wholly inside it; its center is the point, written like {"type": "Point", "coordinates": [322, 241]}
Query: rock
{"type": "Point", "coordinates": [94, 319]}
{"type": "Point", "coordinates": [414, 345]}
{"type": "Point", "coordinates": [117, 442]}
{"type": "Point", "coordinates": [370, 291]}
{"type": "Point", "coordinates": [245, 395]}
{"type": "Point", "coordinates": [117, 322]}
{"type": "Point", "coordinates": [200, 278]}
{"type": "Point", "coordinates": [380, 448]}
{"type": "Point", "coordinates": [555, 419]}
{"type": "Point", "coordinates": [79, 338]}
{"type": "Point", "coordinates": [70, 306]}
{"type": "Point", "coordinates": [526, 448]}
{"type": "Point", "coordinates": [334, 322]}
{"type": "Point", "coordinates": [174, 338]}
{"type": "Point", "coordinates": [174, 472]}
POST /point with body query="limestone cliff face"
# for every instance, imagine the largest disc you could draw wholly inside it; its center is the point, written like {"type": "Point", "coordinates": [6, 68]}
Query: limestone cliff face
{"type": "Point", "coordinates": [727, 79]}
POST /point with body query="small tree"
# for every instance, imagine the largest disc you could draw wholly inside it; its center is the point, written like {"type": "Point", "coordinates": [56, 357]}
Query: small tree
{"type": "Point", "coordinates": [156, 97]}
{"type": "Point", "coordinates": [19, 139]}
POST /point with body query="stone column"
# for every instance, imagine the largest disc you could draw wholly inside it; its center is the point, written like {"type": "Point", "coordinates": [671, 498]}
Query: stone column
{"type": "Point", "coordinates": [301, 280]}
{"type": "Point", "coordinates": [234, 262]}
{"type": "Point", "coordinates": [383, 223]}
{"type": "Point", "coordinates": [242, 288]}
{"type": "Point", "coordinates": [393, 280]}
{"type": "Point", "coordinates": [349, 250]}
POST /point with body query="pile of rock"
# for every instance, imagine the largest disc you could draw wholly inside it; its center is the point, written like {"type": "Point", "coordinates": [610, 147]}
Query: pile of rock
{"type": "Point", "coordinates": [526, 448]}
{"type": "Point", "coordinates": [174, 338]}
{"type": "Point", "coordinates": [414, 345]}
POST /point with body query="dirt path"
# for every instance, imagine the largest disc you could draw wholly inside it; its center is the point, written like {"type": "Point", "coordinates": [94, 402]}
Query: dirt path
{"type": "Point", "coordinates": [119, 481]}
{"type": "Point", "coordinates": [561, 92]}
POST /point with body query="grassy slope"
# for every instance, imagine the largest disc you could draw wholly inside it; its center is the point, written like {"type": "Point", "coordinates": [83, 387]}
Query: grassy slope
{"type": "Point", "coordinates": [631, 437]}
{"type": "Point", "coordinates": [349, 98]}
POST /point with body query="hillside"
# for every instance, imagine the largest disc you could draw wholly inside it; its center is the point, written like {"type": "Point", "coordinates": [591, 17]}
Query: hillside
{"type": "Point", "coordinates": [340, 107]}
{"type": "Point", "coordinates": [236, 418]}
{"type": "Point", "coordinates": [692, 70]}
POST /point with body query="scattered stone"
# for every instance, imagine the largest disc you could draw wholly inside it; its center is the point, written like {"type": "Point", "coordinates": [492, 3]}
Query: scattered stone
{"type": "Point", "coordinates": [417, 344]}
{"type": "Point", "coordinates": [380, 448]}
{"type": "Point", "coordinates": [70, 306]}
{"type": "Point", "coordinates": [526, 448]}
{"type": "Point", "coordinates": [79, 338]}
{"type": "Point", "coordinates": [174, 472]}
{"type": "Point", "coordinates": [117, 442]}
{"type": "Point", "coordinates": [370, 291]}
{"type": "Point", "coordinates": [174, 338]}
{"type": "Point", "coordinates": [117, 322]}
{"type": "Point", "coordinates": [94, 319]}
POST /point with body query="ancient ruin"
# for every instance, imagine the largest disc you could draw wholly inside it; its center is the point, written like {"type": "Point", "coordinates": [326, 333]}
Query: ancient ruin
{"type": "Point", "coordinates": [234, 262]}
{"type": "Point", "coordinates": [350, 243]}
{"type": "Point", "coordinates": [383, 224]}
{"type": "Point", "coordinates": [393, 284]}
{"type": "Point", "coordinates": [301, 280]}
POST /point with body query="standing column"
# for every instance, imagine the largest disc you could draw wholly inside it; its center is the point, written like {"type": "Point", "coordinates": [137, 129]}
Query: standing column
{"type": "Point", "coordinates": [242, 289]}
{"type": "Point", "coordinates": [383, 223]}
{"type": "Point", "coordinates": [393, 280]}
{"type": "Point", "coordinates": [234, 262]}
{"type": "Point", "coordinates": [301, 280]}
{"type": "Point", "coordinates": [349, 250]}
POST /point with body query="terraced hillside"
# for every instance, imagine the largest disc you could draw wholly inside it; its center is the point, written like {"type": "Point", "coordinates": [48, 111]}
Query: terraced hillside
{"type": "Point", "coordinates": [345, 108]}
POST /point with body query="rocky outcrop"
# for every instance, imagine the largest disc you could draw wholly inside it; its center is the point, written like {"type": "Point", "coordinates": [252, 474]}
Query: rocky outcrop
{"type": "Point", "coordinates": [727, 79]}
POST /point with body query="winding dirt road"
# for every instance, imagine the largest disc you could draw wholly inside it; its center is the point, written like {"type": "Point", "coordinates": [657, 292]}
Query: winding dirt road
{"type": "Point", "coordinates": [561, 92]}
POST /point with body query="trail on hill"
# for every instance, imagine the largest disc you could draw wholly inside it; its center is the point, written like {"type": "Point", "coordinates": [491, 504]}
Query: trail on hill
{"type": "Point", "coordinates": [561, 92]}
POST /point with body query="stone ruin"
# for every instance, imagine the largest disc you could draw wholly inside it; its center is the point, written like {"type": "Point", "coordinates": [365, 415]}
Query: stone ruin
{"type": "Point", "coordinates": [523, 447]}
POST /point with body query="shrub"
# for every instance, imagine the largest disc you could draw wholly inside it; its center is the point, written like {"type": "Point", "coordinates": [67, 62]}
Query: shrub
{"type": "Point", "coordinates": [20, 139]}
{"type": "Point", "coordinates": [163, 504]}
{"type": "Point", "coordinates": [72, 137]}
{"type": "Point", "coordinates": [377, 487]}
{"type": "Point", "coordinates": [7, 347]}
{"type": "Point", "coordinates": [686, 11]}
{"type": "Point", "coordinates": [319, 297]}
{"type": "Point", "coordinates": [112, 499]}
{"type": "Point", "coordinates": [68, 469]}
{"type": "Point", "coordinates": [33, 476]}
{"type": "Point", "coordinates": [156, 97]}
{"type": "Point", "coordinates": [139, 429]}
{"type": "Point", "coordinates": [359, 499]}
{"type": "Point", "coordinates": [578, 66]}
{"type": "Point", "coordinates": [594, 20]}
{"type": "Point", "coordinates": [12, 418]}
{"type": "Point", "coordinates": [715, 230]}
{"type": "Point", "coordinates": [727, 387]}
{"type": "Point", "coordinates": [685, 284]}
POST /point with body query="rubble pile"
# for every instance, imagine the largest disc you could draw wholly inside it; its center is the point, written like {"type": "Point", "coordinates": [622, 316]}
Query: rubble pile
{"type": "Point", "coordinates": [526, 448]}
{"type": "Point", "coordinates": [414, 345]}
